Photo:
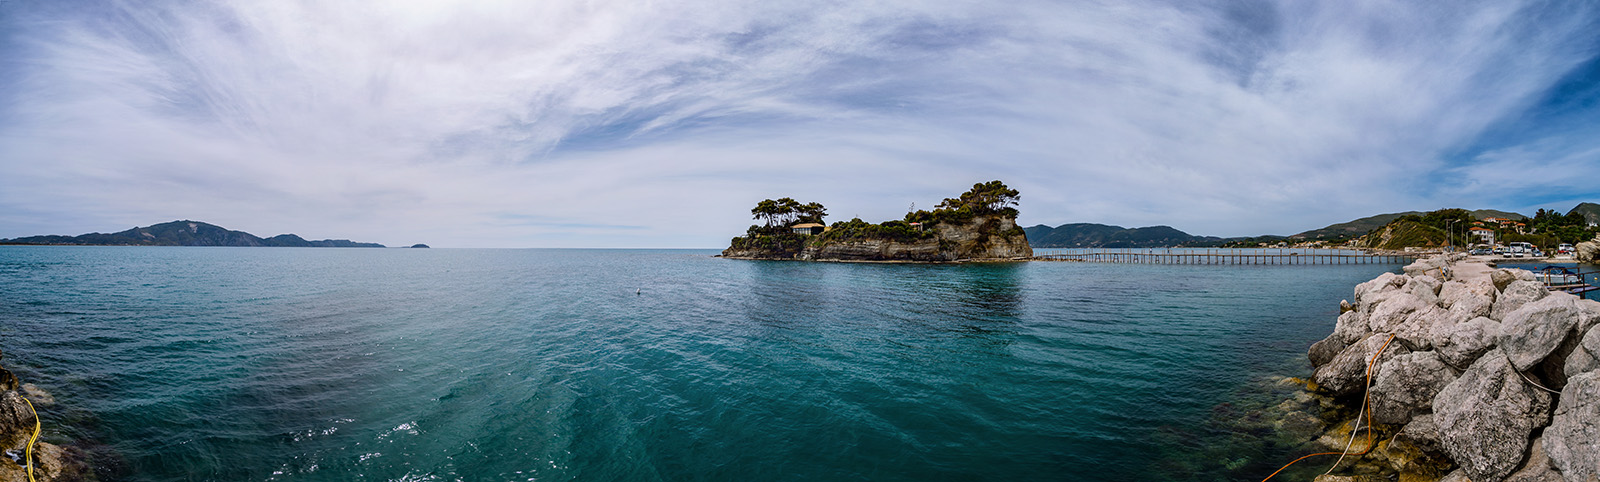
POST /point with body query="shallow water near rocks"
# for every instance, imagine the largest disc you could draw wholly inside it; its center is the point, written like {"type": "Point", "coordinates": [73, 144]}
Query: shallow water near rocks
{"type": "Point", "coordinates": [442, 364]}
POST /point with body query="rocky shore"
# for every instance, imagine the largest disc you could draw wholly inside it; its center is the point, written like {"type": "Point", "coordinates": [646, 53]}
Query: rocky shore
{"type": "Point", "coordinates": [1476, 374]}
{"type": "Point", "coordinates": [50, 462]}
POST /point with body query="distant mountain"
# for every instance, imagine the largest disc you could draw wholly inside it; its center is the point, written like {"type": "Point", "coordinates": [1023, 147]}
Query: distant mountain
{"type": "Point", "coordinates": [1590, 211]}
{"type": "Point", "coordinates": [187, 233]}
{"type": "Point", "coordinates": [1089, 235]}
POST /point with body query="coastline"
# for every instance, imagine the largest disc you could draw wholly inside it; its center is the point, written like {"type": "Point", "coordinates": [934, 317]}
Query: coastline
{"type": "Point", "coordinates": [1455, 370]}
{"type": "Point", "coordinates": [19, 403]}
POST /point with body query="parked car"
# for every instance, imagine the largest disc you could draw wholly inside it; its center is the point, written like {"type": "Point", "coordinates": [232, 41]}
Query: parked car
{"type": "Point", "coordinates": [1565, 248]}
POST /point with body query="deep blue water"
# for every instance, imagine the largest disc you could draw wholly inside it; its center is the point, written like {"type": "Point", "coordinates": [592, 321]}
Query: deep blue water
{"type": "Point", "coordinates": [399, 364]}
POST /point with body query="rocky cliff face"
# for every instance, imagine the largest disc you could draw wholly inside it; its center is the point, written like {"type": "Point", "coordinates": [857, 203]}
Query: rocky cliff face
{"type": "Point", "coordinates": [1486, 376]}
{"type": "Point", "coordinates": [981, 238]}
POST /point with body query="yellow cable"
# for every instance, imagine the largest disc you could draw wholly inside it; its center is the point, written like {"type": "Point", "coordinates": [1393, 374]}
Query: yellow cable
{"type": "Point", "coordinates": [32, 440]}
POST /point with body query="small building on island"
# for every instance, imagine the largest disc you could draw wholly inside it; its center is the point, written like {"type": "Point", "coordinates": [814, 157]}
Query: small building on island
{"type": "Point", "coordinates": [809, 228]}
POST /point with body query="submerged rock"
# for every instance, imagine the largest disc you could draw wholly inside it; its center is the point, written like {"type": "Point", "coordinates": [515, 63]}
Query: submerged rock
{"type": "Point", "coordinates": [1486, 415]}
{"type": "Point", "coordinates": [1572, 440]}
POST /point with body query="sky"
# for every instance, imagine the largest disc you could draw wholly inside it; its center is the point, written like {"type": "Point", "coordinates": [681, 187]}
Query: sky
{"type": "Point", "coordinates": [643, 123]}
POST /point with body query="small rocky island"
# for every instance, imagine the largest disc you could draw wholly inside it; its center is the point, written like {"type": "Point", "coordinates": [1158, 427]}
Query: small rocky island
{"type": "Point", "coordinates": [979, 225]}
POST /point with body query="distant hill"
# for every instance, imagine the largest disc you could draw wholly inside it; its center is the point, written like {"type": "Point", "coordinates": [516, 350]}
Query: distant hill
{"type": "Point", "coordinates": [186, 233]}
{"type": "Point", "coordinates": [1365, 225]}
{"type": "Point", "coordinates": [1590, 211]}
{"type": "Point", "coordinates": [1089, 235]}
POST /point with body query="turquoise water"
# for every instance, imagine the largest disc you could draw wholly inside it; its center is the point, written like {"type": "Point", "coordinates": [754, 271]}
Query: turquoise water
{"type": "Point", "coordinates": [393, 364]}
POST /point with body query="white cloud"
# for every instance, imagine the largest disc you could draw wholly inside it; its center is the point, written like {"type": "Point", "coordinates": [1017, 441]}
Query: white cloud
{"type": "Point", "coordinates": [659, 123]}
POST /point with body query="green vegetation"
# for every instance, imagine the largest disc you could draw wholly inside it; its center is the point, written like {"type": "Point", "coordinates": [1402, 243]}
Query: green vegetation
{"type": "Point", "coordinates": [775, 236]}
{"type": "Point", "coordinates": [985, 198]}
{"type": "Point", "coordinates": [1550, 228]}
{"type": "Point", "coordinates": [787, 211]}
{"type": "Point", "coordinates": [899, 231]}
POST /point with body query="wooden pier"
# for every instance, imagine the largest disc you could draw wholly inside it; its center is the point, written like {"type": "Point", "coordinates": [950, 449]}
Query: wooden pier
{"type": "Point", "coordinates": [1229, 256]}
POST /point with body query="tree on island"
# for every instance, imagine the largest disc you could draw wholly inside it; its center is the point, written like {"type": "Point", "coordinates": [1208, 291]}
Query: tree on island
{"type": "Point", "coordinates": [787, 211]}
{"type": "Point", "coordinates": [985, 198]}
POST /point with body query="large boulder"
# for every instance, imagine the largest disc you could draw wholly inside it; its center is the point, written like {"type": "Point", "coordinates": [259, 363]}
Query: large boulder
{"type": "Point", "coordinates": [1388, 315]}
{"type": "Point", "coordinates": [1502, 278]}
{"type": "Point", "coordinates": [1420, 327]}
{"type": "Point", "coordinates": [1486, 416]}
{"type": "Point", "coordinates": [1351, 327]}
{"type": "Point", "coordinates": [1406, 386]}
{"type": "Point", "coordinates": [1537, 329]}
{"type": "Point", "coordinates": [1323, 351]}
{"type": "Point", "coordinates": [1572, 440]}
{"type": "Point", "coordinates": [1347, 372]}
{"type": "Point", "coordinates": [1586, 356]}
{"type": "Point", "coordinates": [1432, 266]}
{"type": "Point", "coordinates": [1588, 252]}
{"type": "Point", "coordinates": [1460, 344]}
{"type": "Point", "coordinates": [1516, 294]}
{"type": "Point", "coordinates": [1472, 298]}
{"type": "Point", "coordinates": [1383, 283]}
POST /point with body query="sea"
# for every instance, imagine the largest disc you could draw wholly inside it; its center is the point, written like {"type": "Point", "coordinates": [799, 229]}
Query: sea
{"type": "Point", "coordinates": [341, 364]}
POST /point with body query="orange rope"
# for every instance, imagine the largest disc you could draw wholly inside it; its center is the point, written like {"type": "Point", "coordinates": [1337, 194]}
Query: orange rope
{"type": "Point", "coordinates": [1365, 407]}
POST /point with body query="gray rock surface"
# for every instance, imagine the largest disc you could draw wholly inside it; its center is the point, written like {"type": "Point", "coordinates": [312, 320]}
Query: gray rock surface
{"type": "Point", "coordinates": [1472, 298]}
{"type": "Point", "coordinates": [1393, 311]}
{"type": "Point", "coordinates": [1588, 251]}
{"type": "Point", "coordinates": [1501, 278]}
{"type": "Point", "coordinates": [1426, 267]}
{"type": "Point", "coordinates": [1415, 451]}
{"type": "Point", "coordinates": [1407, 385]}
{"type": "Point", "coordinates": [1384, 283]}
{"type": "Point", "coordinates": [1347, 372]}
{"type": "Point", "coordinates": [1323, 351]}
{"type": "Point", "coordinates": [1537, 329]}
{"type": "Point", "coordinates": [1537, 468]}
{"type": "Point", "coordinates": [1460, 344]}
{"type": "Point", "coordinates": [1586, 357]}
{"type": "Point", "coordinates": [1486, 415]}
{"type": "Point", "coordinates": [1351, 327]}
{"type": "Point", "coordinates": [1515, 295]}
{"type": "Point", "coordinates": [1572, 440]}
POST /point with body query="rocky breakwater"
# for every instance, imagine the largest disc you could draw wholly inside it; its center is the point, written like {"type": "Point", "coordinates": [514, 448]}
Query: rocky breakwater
{"type": "Point", "coordinates": [1476, 374]}
{"type": "Point", "coordinates": [50, 462]}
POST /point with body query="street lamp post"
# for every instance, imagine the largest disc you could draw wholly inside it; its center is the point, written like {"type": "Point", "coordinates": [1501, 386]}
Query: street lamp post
{"type": "Point", "coordinates": [1450, 232]}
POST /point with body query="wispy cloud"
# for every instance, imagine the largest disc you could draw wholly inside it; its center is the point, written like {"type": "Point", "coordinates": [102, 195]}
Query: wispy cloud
{"type": "Point", "coordinates": [432, 121]}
